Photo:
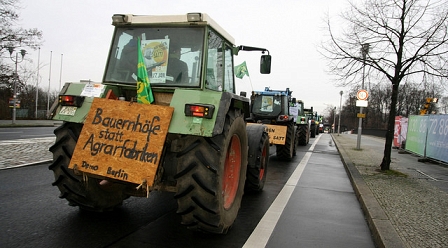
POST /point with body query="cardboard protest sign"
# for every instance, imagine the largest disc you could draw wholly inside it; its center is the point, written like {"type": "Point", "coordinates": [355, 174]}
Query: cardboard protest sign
{"type": "Point", "coordinates": [122, 140]}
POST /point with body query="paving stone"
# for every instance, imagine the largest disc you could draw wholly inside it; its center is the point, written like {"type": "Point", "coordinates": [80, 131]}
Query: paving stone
{"type": "Point", "coordinates": [416, 209]}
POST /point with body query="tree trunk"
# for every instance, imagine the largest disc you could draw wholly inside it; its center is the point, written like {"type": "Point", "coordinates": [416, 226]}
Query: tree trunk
{"type": "Point", "coordinates": [385, 164]}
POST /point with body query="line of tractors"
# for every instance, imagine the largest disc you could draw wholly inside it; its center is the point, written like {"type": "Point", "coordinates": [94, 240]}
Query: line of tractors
{"type": "Point", "coordinates": [288, 123]}
{"type": "Point", "coordinates": [197, 138]}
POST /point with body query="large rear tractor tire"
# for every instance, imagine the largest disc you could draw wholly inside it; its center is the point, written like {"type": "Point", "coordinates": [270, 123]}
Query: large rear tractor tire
{"type": "Point", "coordinates": [258, 159]}
{"type": "Point", "coordinates": [210, 177]}
{"type": "Point", "coordinates": [87, 193]}
{"type": "Point", "coordinates": [304, 135]}
{"type": "Point", "coordinates": [286, 151]}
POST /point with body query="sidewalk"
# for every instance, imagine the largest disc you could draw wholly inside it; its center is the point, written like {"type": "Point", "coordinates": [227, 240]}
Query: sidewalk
{"type": "Point", "coordinates": [402, 210]}
{"type": "Point", "coordinates": [24, 152]}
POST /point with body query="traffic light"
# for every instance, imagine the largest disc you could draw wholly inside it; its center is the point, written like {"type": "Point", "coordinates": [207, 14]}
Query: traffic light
{"type": "Point", "coordinates": [427, 105]}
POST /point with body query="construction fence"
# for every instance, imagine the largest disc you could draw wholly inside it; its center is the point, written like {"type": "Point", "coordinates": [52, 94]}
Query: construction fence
{"type": "Point", "coordinates": [424, 135]}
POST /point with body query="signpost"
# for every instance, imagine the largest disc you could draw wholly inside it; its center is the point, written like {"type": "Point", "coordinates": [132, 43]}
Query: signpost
{"type": "Point", "coordinates": [362, 96]}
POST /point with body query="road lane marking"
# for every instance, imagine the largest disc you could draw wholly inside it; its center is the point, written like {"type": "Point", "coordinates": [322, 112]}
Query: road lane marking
{"type": "Point", "coordinates": [424, 174]}
{"type": "Point", "coordinates": [27, 141]}
{"type": "Point", "coordinates": [260, 236]}
{"type": "Point", "coordinates": [36, 135]}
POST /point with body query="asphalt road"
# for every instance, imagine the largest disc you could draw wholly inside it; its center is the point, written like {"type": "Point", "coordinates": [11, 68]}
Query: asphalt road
{"type": "Point", "coordinates": [32, 215]}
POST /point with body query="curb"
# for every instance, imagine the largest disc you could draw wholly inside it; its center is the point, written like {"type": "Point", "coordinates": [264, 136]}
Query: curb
{"type": "Point", "coordinates": [384, 234]}
{"type": "Point", "coordinates": [6, 124]}
{"type": "Point", "coordinates": [27, 164]}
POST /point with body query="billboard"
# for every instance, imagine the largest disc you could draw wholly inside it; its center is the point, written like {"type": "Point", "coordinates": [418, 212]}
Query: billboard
{"type": "Point", "coordinates": [427, 136]}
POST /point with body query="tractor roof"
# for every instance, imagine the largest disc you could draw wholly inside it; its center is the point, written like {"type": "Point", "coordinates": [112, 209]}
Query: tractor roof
{"type": "Point", "coordinates": [268, 92]}
{"type": "Point", "coordinates": [191, 18]}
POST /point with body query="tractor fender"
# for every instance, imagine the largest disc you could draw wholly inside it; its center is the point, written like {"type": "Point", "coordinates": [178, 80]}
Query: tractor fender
{"type": "Point", "coordinates": [229, 101]}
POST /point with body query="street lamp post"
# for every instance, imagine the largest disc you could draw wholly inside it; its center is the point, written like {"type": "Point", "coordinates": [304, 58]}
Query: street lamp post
{"type": "Point", "coordinates": [334, 120]}
{"type": "Point", "coordinates": [340, 112]}
{"type": "Point", "coordinates": [60, 73]}
{"type": "Point", "coordinates": [16, 78]}
{"type": "Point", "coordinates": [37, 84]}
{"type": "Point", "coordinates": [49, 84]}
{"type": "Point", "coordinates": [364, 51]}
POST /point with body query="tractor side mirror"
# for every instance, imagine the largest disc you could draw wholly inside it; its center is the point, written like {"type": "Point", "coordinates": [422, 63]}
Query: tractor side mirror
{"type": "Point", "coordinates": [265, 64]}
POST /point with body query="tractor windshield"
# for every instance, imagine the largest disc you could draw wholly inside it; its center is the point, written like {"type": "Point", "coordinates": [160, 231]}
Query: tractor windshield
{"type": "Point", "coordinates": [172, 55]}
{"type": "Point", "coordinates": [267, 105]}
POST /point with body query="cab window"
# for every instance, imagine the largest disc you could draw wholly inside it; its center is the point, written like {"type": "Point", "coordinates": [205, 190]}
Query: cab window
{"type": "Point", "coordinates": [214, 73]}
{"type": "Point", "coordinates": [228, 71]}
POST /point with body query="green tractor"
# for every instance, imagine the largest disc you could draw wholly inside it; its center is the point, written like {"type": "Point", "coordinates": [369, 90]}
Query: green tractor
{"type": "Point", "coordinates": [191, 139]}
{"type": "Point", "coordinates": [303, 123]}
{"type": "Point", "coordinates": [314, 124]}
{"type": "Point", "coordinates": [320, 119]}
{"type": "Point", "coordinates": [272, 109]}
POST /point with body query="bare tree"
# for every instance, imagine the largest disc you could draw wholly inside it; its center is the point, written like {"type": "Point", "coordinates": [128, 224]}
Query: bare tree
{"type": "Point", "coordinates": [444, 105]}
{"type": "Point", "coordinates": [13, 38]}
{"type": "Point", "coordinates": [407, 38]}
{"type": "Point", "coordinates": [10, 34]}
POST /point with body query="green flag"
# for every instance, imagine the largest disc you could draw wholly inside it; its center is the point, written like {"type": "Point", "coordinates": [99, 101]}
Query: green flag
{"type": "Point", "coordinates": [241, 70]}
{"type": "Point", "coordinates": [144, 92]}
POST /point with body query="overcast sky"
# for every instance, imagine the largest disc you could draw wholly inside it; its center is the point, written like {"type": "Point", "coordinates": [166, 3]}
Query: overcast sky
{"type": "Point", "coordinates": [290, 29]}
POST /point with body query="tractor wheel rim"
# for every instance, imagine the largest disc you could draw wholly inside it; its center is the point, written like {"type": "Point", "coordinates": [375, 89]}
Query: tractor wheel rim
{"type": "Point", "coordinates": [232, 169]}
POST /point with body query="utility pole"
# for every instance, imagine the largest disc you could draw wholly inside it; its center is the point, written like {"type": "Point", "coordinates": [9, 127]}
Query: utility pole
{"type": "Point", "coordinates": [48, 92]}
{"type": "Point", "coordinates": [334, 120]}
{"type": "Point", "coordinates": [340, 113]}
{"type": "Point", "coordinates": [60, 74]}
{"type": "Point", "coordinates": [37, 83]}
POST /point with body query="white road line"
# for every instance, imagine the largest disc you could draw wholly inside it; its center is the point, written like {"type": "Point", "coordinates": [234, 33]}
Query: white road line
{"type": "Point", "coordinates": [27, 141]}
{"type": "Point", "coordinates": [260, 236]}
{"type": "Point", "coordinates": [421, 172]}
{"type": "Point", "coordinates": [34, 135]}
{"type": "Point", "coordinates": [27, 164]}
